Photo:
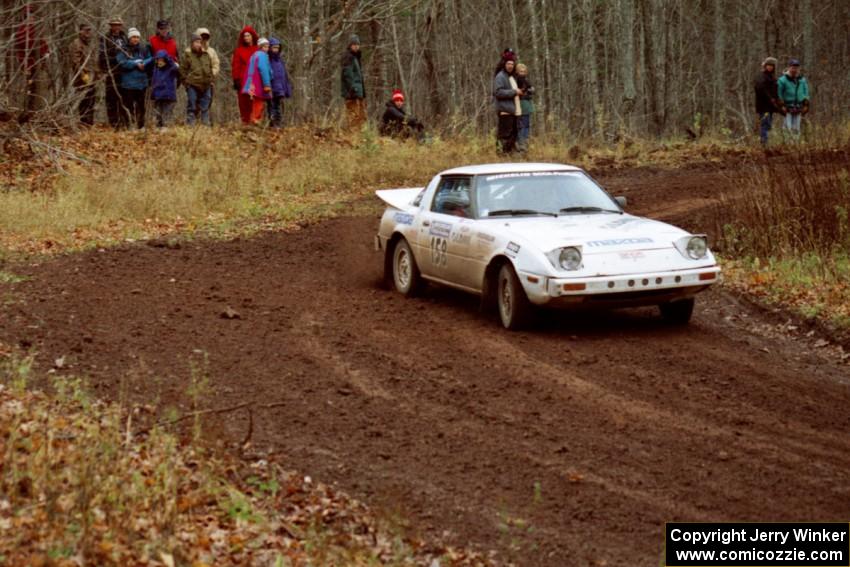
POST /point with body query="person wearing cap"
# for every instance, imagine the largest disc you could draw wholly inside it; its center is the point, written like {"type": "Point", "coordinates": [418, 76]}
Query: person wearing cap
{"type": "Point", "coordinates": [133, 86]}
{"type": "Point", "coordinates": [196, 71]}
{"type": "Point", "coordinates": [111, 44]}
{"type": "Point", "coordinates": [246, 46]}
{"type": "Point", "coordinates": [506, 98]}
{"type": "Point", "coordinates": [793, 90]}
{"type": "Point", "coordinates": [257, 82]}
{"type": "Point", "coordinates": [352, 85]}
{"type": "Point", "coordinates": [767, 98]}
{"type": "Point", "coordinates": [281, 85]}
{"type": "Point", "coordinates": [85, 69]}
{"type": "Point", "coordinates": [162, 40]}
{"type": "Point", "coordinates": [396, 122]}
{"type": "Point", "coordinates": [204, 34]}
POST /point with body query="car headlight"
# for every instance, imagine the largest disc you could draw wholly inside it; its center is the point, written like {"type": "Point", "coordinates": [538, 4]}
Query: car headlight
{"type": "Point", "coordinates": [569, 258]}
{"type": "Point", "coordinates": [697, 247]}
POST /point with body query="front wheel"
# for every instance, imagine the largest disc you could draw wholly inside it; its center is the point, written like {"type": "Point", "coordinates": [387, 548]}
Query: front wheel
{"type": "Point", "coordinates": [678, 312]}
{"type": "Point", "coordinates": [406, 277]}
{"type": "Point", "coordinates": [514, 307]}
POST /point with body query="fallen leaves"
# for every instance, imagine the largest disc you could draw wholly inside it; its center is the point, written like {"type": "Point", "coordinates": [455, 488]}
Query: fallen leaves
{"type": "Point", "coordinates": [102, 496]}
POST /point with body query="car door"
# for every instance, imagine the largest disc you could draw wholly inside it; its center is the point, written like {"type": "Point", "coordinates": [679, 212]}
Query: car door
{"type": "Point", "coordinates": [446, 229]}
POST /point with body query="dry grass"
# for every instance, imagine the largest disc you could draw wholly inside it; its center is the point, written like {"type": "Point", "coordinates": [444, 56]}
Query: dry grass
{"type": "Point", "coordinates": [82, 482]}
{"type": "Point", "coordinates": [226, 181]}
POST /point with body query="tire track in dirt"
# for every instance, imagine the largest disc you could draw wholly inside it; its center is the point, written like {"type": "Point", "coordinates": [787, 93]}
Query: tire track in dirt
{"type": "Point", "coordinates": [569, 444]}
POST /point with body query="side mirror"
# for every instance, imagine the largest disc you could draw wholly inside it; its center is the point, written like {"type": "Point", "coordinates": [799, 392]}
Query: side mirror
{"type": "Point", "coordinates": [622, 201]}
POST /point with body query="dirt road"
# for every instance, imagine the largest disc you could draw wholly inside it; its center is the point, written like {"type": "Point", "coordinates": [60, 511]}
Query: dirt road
{"type": "Point", "coordinates": [570, 444]}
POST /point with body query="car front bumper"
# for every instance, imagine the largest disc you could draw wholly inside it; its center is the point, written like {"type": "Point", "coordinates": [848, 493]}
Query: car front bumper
{"type": "Point", "coordinates": [622, 290]}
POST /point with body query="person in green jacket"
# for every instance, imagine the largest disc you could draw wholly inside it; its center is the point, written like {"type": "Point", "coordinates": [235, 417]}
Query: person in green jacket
{"type": "Point", "coordinates": [793, 90]}
{"type": "Point", "coordinates": [526, 107]}
{"type": "Point", "coordinates": [353, 89]}
{"type": "Point", "coordinates": [196, 72]}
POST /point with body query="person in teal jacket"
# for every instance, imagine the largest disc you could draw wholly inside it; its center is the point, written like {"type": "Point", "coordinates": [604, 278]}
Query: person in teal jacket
{"type": "Point", "coordinates": [793, 90]}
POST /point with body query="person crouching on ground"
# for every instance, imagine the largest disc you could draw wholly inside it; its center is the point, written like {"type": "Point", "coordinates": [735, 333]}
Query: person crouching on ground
{"type": "Point", "coordinates": [526, 107]}
{"type": "Point", "coordinates": [257, 82]}
{"type": "Point", "coordinates": [793, 89]}
{"type": "Point", "coordinates": [164, 88]}
{"type": "Point", "coordinates": [197, 74]}
{"type": "Point", "coordinates": [767, 98]}
{"type": "Point", "coordinates": [506, 96]}
{"type": "Point", "coordinates": [396, 122]}
{"type": "Point", "coordinates": [281, 87]}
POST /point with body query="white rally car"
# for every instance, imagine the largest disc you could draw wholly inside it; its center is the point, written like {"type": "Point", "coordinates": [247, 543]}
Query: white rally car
{"type": "Point", "coordinates": [535, 234]}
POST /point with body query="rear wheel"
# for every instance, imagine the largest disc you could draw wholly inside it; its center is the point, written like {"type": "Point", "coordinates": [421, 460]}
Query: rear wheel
{"type": "Point", "coordinates": [678, 312]}
{"type": "Point", "coordinates": [513, 304]}
{"type": "Point", "coordinates": [406, 277]}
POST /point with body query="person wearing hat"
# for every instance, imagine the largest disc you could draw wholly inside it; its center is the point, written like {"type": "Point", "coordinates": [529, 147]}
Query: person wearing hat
{"type": "Point", "coordinates": [204, 34]}
{"type": "Point", "coordinates": [246, 46]}
{"type": "Point", "coordinates": [352, 85]}
{"type": "Point", "coordinates": [84, 61]}
{"type": "Point", "coordinates": [111, 44]}
{"type": "Point", "coordinates": [257, 83]}
{"type": "Point", "coordinates": [281, 85]}
{"type": "Point", "coordinates": [397, 122]}
{"type": "Point", "coordinates": [164, 88]}
{"type": "Point", "coordinates": [162, 40]}
{"type": "Point", "coordinates": [133, 86]}
{"type": "Point", "coordinates": [793, 90]}
{"type": "Point", "coordinates": [767, 98]}
{"type": "Point", "coordinates": [196, 70]}
{"type": "Point", "coordinates": [506, 98]}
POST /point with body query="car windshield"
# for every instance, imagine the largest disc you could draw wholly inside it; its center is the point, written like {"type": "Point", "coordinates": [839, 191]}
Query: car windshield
{"type": "Point", "coordinates": [549, 193]}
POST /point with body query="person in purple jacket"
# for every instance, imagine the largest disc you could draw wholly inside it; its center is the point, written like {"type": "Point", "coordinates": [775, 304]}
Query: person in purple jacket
{"type": "Point", "coordinates": [164, 88]}
{"type": "Point", "coordinates": [281, 86]}
{"type": "Point", "coordinates": [257, 82]}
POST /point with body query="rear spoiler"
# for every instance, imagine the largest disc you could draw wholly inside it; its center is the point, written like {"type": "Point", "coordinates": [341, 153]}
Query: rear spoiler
{"type": "Point", "coordinates": [401, 199]}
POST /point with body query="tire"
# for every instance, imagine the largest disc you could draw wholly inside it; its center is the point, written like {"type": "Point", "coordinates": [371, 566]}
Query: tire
{"type": "Point", "coordinates": [678, 312]}
{"type": "Point", "coordinates": [511, 300]}
{"type": "Point", "coordinates": [406, 277]}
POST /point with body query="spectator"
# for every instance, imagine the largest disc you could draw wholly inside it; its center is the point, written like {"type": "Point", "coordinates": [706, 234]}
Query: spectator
{"type": "Point", "coordinates": [767, 98]}
{"type": "Point", "coordinates": [162, 40]}
{"type": "Point", "coordinates": [353, 89]}
{"type": "Point", "coordinates": [164, 88]}
{"type": "Point", "coordinates": [506, 95]}
{"type": "Point", "coordinates": [205, 43]}
{"type": "Point", "coordinates": [31, 51]}
{"type": "Point", "coordinates": [281, 87]}
{"type": "Point", "coordinates": [526, 107]}
{"type": "Point", "coordinates": [246, 46]}
{"type": "Point", "coordinates": [111, 45]}
{"type": "Point", "coordinates": [793, 91]}
{"type": "Point", "coordinates": [257, 83]}
{"type": "Point", "coordinates": [134, 79]}
{"type": "Point", "coordinates": [84, 61]}
{"type": "Point", "coordinates": [396, 122]}
{"type": "Point", "coordinates": [197, 74]}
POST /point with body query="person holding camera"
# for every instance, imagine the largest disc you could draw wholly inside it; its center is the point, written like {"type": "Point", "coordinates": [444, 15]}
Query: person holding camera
{"type": "Point", "coordinates": [793, 89]}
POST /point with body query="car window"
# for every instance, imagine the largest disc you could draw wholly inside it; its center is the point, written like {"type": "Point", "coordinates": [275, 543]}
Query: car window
{"type": "Point", "coordinates": [452, 197]}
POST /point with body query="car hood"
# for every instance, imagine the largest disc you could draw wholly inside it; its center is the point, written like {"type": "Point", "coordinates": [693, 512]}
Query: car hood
{"type": "Point", "coordinates": [595, 233]}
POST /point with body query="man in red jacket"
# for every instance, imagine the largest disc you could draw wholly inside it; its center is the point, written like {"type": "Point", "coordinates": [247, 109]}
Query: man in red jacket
{"type": "Point", "coordinates": [163, 41]}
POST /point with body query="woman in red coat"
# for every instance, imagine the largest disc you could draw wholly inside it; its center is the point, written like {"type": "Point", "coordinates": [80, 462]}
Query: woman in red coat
{"type": "Point", "coordinates": [245, 48]}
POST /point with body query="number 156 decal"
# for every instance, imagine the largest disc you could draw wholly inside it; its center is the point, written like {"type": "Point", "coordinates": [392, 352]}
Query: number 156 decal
{"type": "Point", "coordinates": [439, 257]}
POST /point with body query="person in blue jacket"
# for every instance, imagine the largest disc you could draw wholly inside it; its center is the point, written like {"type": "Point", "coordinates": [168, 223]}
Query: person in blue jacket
{"type": "Point", "coordinates": [257, 82]}
{"type": "Point", "coordinates": [164, 88]}
{"type": "Point", "coordinates": [133, 85]}
{"type": "Point", "coordinates": [281, 86]}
